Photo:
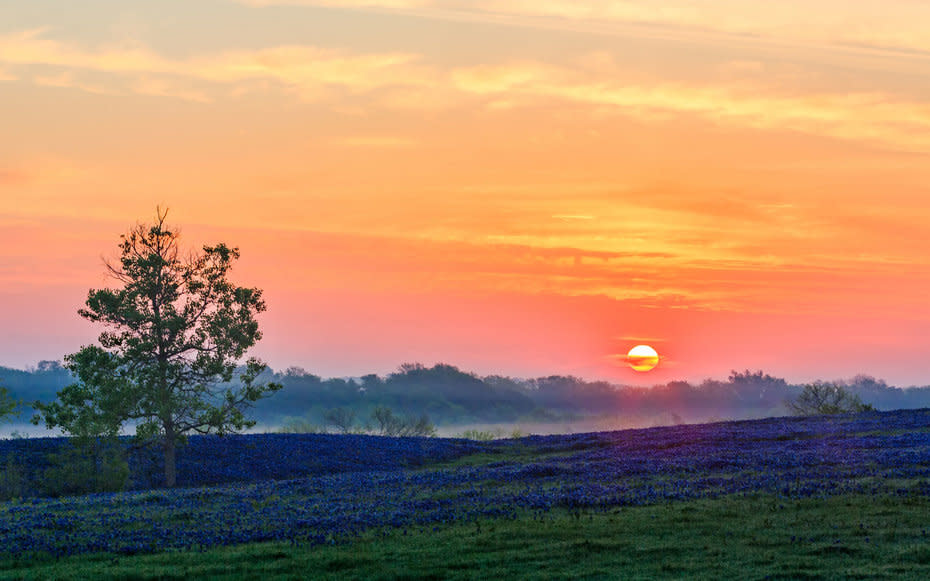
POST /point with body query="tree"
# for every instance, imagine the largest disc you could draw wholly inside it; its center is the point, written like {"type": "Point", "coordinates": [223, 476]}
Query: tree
{"type": "Point", "coordinates": [826, 398]}
{"type": "Point", "coordinates": [167, 362]}
{"type": "Point", "coordinates": [12, 481]}
{"type": "Point", "coordinates": [343, 419]}
{"type": "Point", "coordinates": [9, 407]}
{"type": "Point", "coordinates": [389, 424]}
{"type": "Point", "coordinates": [91, 411]}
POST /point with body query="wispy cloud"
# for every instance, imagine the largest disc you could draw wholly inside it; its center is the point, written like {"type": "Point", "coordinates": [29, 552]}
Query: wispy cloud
{"type": "Point", "coordinates": [870, 117]}
{"type": "Point", "coordinates": [159, 87]}
{"type": "Point", "coordinates": [486, 79]}
{"type": "Point", "coordinates": [403, 80]}
{"type": "Point", "coordinates": [68, 80]}
{"type": "Point", "coordinates": [573, 217]}
{"type": "Point", "coordinates": [384, 4]}
{"type": "Point", "coordinates": [306, 69]}
{"type": "Point", "coordinates": [858, 25]}
{"type": "Point", "coordinates": [32, 47]}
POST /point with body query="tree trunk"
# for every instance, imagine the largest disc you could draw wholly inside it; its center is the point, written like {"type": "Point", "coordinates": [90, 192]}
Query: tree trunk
{"type": "Point", "coordinates": [170, 469]}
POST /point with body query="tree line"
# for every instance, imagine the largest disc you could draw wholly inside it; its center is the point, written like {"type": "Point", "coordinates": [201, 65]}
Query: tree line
{"type": "Point", "coordinates": [451, 396]}
{"type": "Point", "coordinates": [448, 396]}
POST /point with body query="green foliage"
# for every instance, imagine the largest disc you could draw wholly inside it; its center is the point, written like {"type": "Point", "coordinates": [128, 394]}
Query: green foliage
{"type": "Point", "coordinates": [9, 407]}
{"type": "Point", "coordinates": [821, 398]}
{"type": "Point", "coordinates": [100, 400]}
{"type": "Point", "coordinates": [167, 360]}
{"type": "Point", "coordinates": [480, 435]}
{"type": "Point", "coordinates": [488, 435]}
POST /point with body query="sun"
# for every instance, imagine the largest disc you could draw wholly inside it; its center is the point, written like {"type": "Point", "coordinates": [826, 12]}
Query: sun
{"type": "Point", "coordinates": [642, 358]}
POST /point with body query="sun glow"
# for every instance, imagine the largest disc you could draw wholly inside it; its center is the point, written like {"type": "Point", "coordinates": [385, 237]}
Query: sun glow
{"type": "Point", "coordinates": [642, 358]}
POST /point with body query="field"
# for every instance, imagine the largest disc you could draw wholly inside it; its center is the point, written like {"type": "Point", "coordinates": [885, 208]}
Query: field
{"type": "Point", "coordinates": [823, 497]}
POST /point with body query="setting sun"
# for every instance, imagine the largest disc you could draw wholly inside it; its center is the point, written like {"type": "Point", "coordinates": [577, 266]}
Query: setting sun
{"type": "Point", "coordinates": [642, 358]}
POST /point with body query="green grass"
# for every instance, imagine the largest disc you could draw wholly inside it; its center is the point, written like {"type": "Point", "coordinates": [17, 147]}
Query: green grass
{"type": "Point", "coordinates": [514, 455]}
{"type": "Point", "coordinates": [844, 537]}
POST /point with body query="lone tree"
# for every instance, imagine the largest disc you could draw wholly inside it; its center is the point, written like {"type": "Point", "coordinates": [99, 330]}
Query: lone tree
{"type": "Point", "coordinates": [168, 359]}
{"type": "Point", "coordinates": [826, 398]}
{"type": "Point", "coordinates": [343, 419]}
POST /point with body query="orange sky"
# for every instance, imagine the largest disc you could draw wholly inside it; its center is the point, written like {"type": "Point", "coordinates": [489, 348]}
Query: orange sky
{"type": "Point", "coordinates": [515, 187]}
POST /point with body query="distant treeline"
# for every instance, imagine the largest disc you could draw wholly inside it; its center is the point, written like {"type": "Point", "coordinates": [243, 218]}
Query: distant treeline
{"type": "Point", "coordinates": [41, 383]}
{"type": "Point", "coordinates": [450, 396]}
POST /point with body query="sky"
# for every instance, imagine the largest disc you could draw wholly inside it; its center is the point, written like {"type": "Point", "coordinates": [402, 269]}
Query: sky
{"type": "Point", "coordinates": [517, 187]}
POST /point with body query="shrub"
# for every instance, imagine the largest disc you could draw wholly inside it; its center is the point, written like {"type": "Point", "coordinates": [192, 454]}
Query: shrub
{"type": "Point", "coordinates": [386, 423]}
{"type": "Point", "coordinates": [480, 435]}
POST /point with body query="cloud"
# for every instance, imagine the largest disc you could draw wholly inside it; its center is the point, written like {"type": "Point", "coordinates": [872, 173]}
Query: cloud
{"type": "Point", "coordinates": [306, 69]}
{"type": "Point", "coordinates": [384, 4]}
{"type": "Point", "coordinates": [68, 80]}
{"type": "Point", "coordinates": [402, 80]}
{"type": "Point", "coordinates": [486, 79]}
{"type": "Point", "coordinates": [30, 47]}
{"type": "Point", "coordinates": [572, 217]}
{"type": "Point", "coordinates": [864, 25]}
{"type": "Point", "coordinates": [860, 116]}
{"type": "Point", "coordinates": [165, 88]}
{"type": "Point", "coordinates": [639, 340]}
{"type": "Point", "coordinates": [646, 362]}
{"type": "Point", "coordinates": [307, 66]}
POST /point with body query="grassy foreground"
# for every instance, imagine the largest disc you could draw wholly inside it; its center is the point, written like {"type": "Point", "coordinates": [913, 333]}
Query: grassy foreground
{"type": "Point", "coordinates": [841, 537]}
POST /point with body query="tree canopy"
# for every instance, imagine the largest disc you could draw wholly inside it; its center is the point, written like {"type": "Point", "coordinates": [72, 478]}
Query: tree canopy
{"type": "Point", "coordinates": [168, 360]}
{"type": "Point", "coordinates": [9, 406]}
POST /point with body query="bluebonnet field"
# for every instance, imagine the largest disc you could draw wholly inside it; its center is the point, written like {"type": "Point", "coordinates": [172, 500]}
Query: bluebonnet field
{"type": "Point", "coordinates": [329, 489]}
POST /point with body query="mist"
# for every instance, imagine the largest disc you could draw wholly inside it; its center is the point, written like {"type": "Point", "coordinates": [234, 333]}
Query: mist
{"type": "Point", "coordinates": [457, 401]}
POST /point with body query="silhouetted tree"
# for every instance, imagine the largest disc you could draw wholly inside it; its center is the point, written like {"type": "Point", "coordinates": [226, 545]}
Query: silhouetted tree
{"type": "Point", "coordinates": [342, 418]}
{"type": "Point", "coordinates": [175, 330]}
{"type": "Point", "coordinates": [386, 423]}
{"type": "Point", "coordinates": [826, 398]}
